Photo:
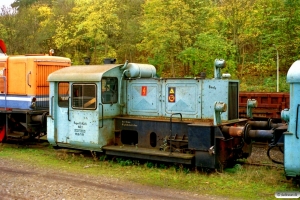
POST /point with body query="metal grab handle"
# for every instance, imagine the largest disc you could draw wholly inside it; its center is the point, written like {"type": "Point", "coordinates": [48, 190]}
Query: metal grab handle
{"type": "Point", "coordinates": [171, 128]}
{"type": "Point", "coordinates": [5, 90]}
{"type": "Point", "coordinates": [171, 121]}
{"type": "Point", "coordinates": [51, 108]}
{"type": "Point", "coordinates": [102, 115]}
{"type": "Point", "coordinates": [297, 121]}
{"type": "Point", "coordinates": [28, 79]}
{"type": "Point", "coordinates": [69, 109]}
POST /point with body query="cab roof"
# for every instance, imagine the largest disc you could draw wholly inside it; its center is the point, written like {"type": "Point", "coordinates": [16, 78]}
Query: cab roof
{"type": "Point", "coordinates": [82, 73]}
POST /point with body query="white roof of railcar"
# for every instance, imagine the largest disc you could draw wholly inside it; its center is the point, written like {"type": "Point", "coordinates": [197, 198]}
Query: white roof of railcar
{"type": "Point", "coordinates": [81, 73]}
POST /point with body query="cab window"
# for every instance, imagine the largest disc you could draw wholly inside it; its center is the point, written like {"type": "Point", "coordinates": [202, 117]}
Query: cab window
{"type": "Point", "coordinates": [109, 88]}
{"type": "Point", "coordinates": [63, 94]}
{"type": "Point", "coordinates": [84, 96]}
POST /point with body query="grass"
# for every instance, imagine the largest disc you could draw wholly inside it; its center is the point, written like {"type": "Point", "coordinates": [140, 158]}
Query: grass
{"type": "Point", "coordinates": [239, 182]}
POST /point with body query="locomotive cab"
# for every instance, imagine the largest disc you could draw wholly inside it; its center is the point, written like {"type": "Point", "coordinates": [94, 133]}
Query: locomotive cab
{"type": "Point", "coordinates": [83, 102]}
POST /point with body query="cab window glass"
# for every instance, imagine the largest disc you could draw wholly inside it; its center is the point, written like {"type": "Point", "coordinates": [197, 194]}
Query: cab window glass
{"type": "Point", "coordinates": [84, 96]}
{"type": "Point", "coordinates": [63, 94]}
{"type": "Point", "coordinates": [109, 88]}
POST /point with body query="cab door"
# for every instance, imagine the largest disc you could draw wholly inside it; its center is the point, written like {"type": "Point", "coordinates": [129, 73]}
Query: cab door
{"type": "Point", "coordinates": [58, 119]}
{"type": "Point", "coordinates": [84, 116]}
{"type": "Point", "coordinates": [109, 107]}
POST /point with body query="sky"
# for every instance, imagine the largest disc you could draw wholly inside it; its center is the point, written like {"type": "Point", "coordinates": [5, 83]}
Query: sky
{"type": "Point", "coordinates": [6, 2]}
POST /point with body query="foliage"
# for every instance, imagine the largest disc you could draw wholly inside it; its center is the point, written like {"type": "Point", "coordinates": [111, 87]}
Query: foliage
{"type": "Point", "coordinates": [180, 37]}
{"type": "Point", "coordinates": [167, 27]}
{"type": "Point", "coordinates": [206, 46]}
{"type": "Point", "coordinates": [264, 84]}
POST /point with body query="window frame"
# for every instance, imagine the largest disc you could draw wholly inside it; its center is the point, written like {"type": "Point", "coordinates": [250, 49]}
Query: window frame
{"type": "Point", "coordinates": [109, 92]}
{"type": "Point", "coordinates": [84, 98]}
{"type": "Point", "coordinates": [63, 98]}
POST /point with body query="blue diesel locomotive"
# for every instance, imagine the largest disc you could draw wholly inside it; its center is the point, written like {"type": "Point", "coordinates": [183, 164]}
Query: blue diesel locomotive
{"type": "Point", "coordinates": [126, 110]}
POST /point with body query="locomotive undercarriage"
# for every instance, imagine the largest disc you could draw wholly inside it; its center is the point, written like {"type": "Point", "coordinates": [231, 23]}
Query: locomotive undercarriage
{"type": "Point", "coordinates": [197, 143]}
{"type": "Point", "coordinates": [22, 125]}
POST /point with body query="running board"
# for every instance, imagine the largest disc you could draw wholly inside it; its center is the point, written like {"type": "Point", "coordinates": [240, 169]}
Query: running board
{"type": "Point", "coordinates": [149, 154]}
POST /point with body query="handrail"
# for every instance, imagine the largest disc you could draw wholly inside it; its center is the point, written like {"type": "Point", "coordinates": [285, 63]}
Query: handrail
{"type": "Point", "coordinates": [5, 90]}
{"type": "Point", "coordinates": [5, 96]}
{"type": "Point", "coordinates": [69, 109]}
{"type": "Point", "coordinates": [102, 115]}
{"type": "Point", "coordinates": [28, 79]}
{"type": "Point", "coordinates": [297, 121]}
{"type": "Point", "coordinates": [120, 88]}
{"type": "Point", "coordinates": [171, 128]}
{"type": "Point", "coordinates": [51, 108]}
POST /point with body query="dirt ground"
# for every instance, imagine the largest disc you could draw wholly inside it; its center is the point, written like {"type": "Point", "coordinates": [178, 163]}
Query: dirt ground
{"type": "Point", "coordinates": [259, 155]}
{"type": "Point", "coordinates": [22, 182]}
{"type": "Point", "coordinates": [19, 181]}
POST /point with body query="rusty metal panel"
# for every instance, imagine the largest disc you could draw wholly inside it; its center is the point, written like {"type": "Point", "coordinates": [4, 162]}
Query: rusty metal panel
{"type": "Point", "coordinates": [270, 104]}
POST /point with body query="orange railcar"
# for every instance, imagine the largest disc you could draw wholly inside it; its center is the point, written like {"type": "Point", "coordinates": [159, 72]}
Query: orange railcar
{"type": "Point", "coordinates": [25, 77]}
{"type": "Point", "coordinates": [24, 93]}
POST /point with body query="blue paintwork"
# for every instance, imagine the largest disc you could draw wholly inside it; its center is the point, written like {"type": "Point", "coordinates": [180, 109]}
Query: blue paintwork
{"type": "Point", "coordinates": [292, 137]}
{"type": "Point", "coordinates": [15, 101]}
{"type": "Point", "coordinates": [68, 127]}
{"type": "Point", "coordinates": [194, 98]}
{"type": "Point", "coordinates": [138, 97]}
{"type": "Point", "coordinates": [23, 102]}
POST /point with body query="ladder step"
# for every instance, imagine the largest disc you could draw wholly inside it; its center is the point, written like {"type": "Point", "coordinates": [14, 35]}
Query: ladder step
{"type": "Point", "coordinates": [16, 134]}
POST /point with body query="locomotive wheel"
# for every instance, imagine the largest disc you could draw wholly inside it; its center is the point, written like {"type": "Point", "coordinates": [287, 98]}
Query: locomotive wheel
{"type": "Point", "coordinates": [2, 133]}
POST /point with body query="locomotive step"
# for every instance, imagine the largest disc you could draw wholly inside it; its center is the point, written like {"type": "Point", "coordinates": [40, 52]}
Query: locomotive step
{"type": "Point", "coordinates": [150, 154]}
{"type": "Point", "coordinates": [16, 135]}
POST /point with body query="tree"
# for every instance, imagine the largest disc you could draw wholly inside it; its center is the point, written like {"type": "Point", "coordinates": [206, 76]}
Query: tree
{"type": "Point", "coordinates": [208, 47]}
{"type": "Point", "coordinates": [129, 13]}
{"type": "Point", "coordinates": [167, 29]}
{"type": "Point", "coordinates": [92, 29]}
{"type": "Point", "coordinates": [8, 27]}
